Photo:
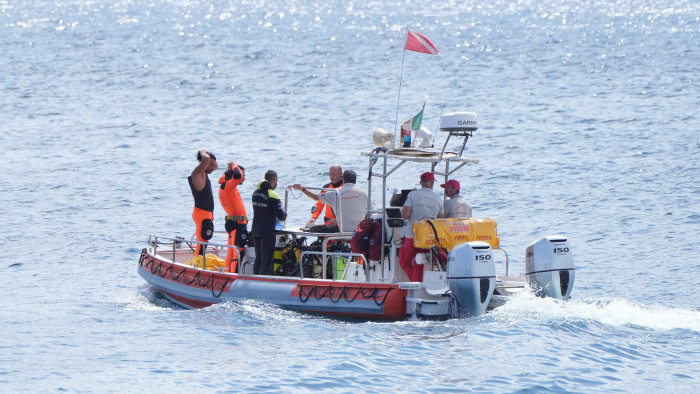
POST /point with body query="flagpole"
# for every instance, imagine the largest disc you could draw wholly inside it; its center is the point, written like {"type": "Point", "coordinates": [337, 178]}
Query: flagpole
{"type": "Point", "coordinates": [398, 99]}
{"type": "Point", "coordinates": [413, 140]}
{"type": "Point", "coordinates": [438, 126]}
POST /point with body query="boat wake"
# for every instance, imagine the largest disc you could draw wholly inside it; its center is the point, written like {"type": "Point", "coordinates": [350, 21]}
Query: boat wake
{"type": "Point", "coordinates": [524, 307]}
{"type": "Point", "coordinates": [620, 313]}
{"type": "Point", "coordinates": [144, 299]}
{"type": "Point", "coordinates": [258, 311]}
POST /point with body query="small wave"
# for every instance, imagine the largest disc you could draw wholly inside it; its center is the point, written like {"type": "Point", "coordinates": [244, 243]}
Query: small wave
{"type": "Point", "coordinates": [258, 312]}
{"type": "Point", "coordinates": [611, 312]}
{"type": "Point", "coordinates": [144, 299]}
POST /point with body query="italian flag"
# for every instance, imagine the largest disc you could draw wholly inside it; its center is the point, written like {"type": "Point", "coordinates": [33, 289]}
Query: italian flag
{"type": "Point", "coordinates": [408, 126]}
{"type": "Point", "coordinates": [415, 122]}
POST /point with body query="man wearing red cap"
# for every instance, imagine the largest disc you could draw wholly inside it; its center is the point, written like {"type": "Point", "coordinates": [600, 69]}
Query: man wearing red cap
{"type": "Point", "coordinates": [420, 204]}
{"type": "Point", "coordinates": [456, 206]}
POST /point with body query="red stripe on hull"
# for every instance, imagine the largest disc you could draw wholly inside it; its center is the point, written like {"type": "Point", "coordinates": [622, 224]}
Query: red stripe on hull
{"type": "Point", "coordinates": [394, 309]}
{"type": "Point", "coordinates": [390, 297]}
{"type": "Point", "coordinates": [186, 301]}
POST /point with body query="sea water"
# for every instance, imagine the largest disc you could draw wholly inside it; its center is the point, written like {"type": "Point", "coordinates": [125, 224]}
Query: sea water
{"type": "Point", "coordinates": [588, 115]}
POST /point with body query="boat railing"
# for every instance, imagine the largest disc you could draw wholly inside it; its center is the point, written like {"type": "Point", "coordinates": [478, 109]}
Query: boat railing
{"type": "Point", "coordinates": [505, 252]}
{"type": "Point", "coordinates": [330, 238]}
{"type": "Point", "coordinates": [324, 255]}
{"type": "Point", "coordinates": [176, 243]}
{"type": "Point", "coordinates": [338, 218]}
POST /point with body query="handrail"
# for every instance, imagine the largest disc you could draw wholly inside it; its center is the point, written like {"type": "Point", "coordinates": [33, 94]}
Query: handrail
{"type": "Point", "coordinates": [177, 241]}
{"type": "Point", "coordinates": [506, 253]}
{"type": "Point", "coordinates": [338, 216]}
{"type": "Point", "coordinates": [323, 258]}
{"type": "Point", "coordinates": [326, 240]}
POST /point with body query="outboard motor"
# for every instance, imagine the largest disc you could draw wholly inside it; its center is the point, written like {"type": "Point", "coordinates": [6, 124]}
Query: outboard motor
{"type": "Point", "coordinates": [549, 267]}
{"type": "Point", "coordinates": [471, 275]}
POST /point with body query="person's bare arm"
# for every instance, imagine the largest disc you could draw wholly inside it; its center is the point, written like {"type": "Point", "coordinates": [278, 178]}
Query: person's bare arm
{"type": "Point", "coordinates": [406, 212]}
{"type": "Point", "coordinates": [308, 194]}
{"type": "Point", "coordinates": [199, 175]}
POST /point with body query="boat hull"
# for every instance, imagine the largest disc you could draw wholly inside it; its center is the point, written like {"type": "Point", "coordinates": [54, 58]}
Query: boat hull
{"type": "Point", "coordinates": [197, 288]}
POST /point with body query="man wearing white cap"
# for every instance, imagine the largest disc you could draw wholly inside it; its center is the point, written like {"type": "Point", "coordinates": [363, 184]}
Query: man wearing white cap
{"type": "Point", "coordinates": [456, 206]}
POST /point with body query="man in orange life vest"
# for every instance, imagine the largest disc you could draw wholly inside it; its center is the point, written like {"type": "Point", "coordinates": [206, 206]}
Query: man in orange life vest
{"type": "Point", "coordinates": [335, 173]}
{"type": "Point", "coordinates": [203, 214]}
{"type": "Point", "coordinates": [236, 219]}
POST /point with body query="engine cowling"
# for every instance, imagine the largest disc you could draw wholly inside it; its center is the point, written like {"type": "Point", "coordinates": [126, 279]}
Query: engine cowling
{"type": "Point", "coordinates": [471, 275]}
{"type": "Point", "coordinates": [549, 267]}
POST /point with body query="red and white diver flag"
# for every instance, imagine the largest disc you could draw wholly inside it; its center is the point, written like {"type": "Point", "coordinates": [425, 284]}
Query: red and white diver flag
{"type": "Point", "coordinates": [417, 42]}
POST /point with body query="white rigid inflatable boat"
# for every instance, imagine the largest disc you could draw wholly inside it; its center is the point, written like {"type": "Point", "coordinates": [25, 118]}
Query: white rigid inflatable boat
{"type": "Point", "coordinates": [331, 279]}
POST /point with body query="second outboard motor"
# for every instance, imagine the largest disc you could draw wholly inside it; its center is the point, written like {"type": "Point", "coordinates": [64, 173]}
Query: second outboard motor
{"type": "Point", "coordinates": [471, 275]}
{"type": "Point", "coordinates": [549, 267]}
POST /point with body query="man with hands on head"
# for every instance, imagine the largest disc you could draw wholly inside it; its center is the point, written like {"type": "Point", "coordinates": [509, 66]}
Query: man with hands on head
{"type": "Point", "coordinates": [203, 213]}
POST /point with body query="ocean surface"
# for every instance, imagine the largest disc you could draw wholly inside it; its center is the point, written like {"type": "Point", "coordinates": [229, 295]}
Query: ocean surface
{"type": "Point", "coordinates": [589, 128]}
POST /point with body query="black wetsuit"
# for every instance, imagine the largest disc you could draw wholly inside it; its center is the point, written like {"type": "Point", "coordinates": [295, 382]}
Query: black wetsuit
{"type": "Point", "coordinates": [203, 214]}
{"type": "Point", "coordinates": [267, 209]}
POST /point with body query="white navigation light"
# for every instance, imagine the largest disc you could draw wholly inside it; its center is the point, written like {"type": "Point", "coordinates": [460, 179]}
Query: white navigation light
{"type": "Point", "coordinates": [459, 121]}
{"type": "Point", "coordinates": [425, 136]}
{"type": "Point", "coordinates": [383, 138]}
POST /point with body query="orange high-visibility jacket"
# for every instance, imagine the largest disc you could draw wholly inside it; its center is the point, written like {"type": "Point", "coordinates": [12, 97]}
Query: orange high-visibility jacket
{"type": "Point", "coordinates": [318, 208]}
{"type": "Point", "coordinates": [229, 197]}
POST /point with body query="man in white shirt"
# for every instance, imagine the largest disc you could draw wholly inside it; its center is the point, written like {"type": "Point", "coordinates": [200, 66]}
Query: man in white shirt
{"type": "Point", "coordinates": [420, 204]}
{"type": "Point", "coordinates": [353, 201]}
{"type": "Point", "coordinates": [456, 206]}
